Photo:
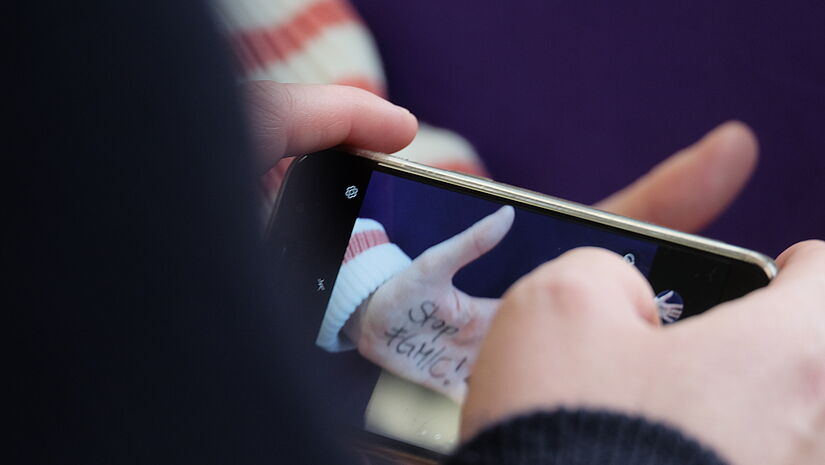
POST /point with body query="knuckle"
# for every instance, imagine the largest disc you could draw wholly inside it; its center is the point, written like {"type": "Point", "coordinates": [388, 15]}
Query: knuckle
{"type": "Point", "coordinates": [565, 283]}
{"type": "Point", "coordinates": [581, 270]}
{"type": "Point", "coordinates": [572, 285]}
{"type": "Point", "coordinates": [554, 288]}
{"type": "Point", "coordinates": [591, 254]}
{"type": "Point", "coordinates": [270, 103]}
{"type": "Point", "coordinates": [287, 97]}
{"type": "Point", "coordinates": [256, 89]}
{"type": "Point", "coordinates": [570, 292]}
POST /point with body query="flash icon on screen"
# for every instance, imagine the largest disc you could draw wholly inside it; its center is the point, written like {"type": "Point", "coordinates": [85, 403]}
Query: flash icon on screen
{"type": "Point", "coordinates": [351, 192]}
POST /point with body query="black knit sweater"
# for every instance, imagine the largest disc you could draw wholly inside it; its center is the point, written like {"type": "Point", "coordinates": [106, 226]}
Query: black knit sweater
{"type": "Point", "coordinates": [582, 437]}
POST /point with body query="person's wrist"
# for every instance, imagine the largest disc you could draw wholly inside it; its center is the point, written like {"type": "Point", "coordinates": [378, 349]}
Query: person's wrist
{"type": "Point", "coordinates": [353, 328]}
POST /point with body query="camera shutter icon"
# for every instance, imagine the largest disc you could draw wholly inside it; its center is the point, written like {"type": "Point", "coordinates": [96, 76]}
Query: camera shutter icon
{"type": "Point", "coordinates": [351, 192]}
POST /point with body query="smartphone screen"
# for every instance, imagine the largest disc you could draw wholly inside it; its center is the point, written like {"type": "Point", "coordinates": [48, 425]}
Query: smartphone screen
{"type": "Point", "coordinates": [347, 227]}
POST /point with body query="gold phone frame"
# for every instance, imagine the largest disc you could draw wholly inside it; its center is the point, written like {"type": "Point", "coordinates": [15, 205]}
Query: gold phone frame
{"type": "Point", "coordinates": [577, 210]}
{"type": "Point", "coordinates": [373, 446]}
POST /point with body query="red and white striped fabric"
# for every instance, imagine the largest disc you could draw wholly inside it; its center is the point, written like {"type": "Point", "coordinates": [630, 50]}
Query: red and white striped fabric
{"type": "Point", "coordinates": [371, 259]}
{"type": "Point", "coordinates": [312, 42]}
{"type": "Point", "coordinates": [325, 42]}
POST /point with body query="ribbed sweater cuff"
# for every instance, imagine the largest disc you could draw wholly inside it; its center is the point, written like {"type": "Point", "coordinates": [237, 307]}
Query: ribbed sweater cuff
{"type": "Point", "coordinates": [370, 260]}
{"type": "Point", "coordinates": [582, 437]}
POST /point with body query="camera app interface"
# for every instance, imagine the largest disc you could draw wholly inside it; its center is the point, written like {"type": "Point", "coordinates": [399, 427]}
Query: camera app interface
{"type": "Point", "coordinates": [417, 290]}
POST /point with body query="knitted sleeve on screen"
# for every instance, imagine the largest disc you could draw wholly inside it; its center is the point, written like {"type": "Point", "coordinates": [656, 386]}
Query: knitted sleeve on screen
{"type": "Point", "coordinates": [325, 42]}
{"type": "Point", "coordinates": [582, 437]}
{"type": "Point", "coordinates": [370, 260]}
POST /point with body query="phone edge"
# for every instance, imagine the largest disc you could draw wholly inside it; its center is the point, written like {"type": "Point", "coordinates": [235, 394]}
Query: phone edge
{"type": "Point", "coordinates": [575, 209]}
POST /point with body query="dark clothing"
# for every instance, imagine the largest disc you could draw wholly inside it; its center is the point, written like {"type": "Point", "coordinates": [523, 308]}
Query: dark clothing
{"type": "Point", "coordinates": [142, 331]}
{"type": "Point", "coordinates": [141, 324]}
{"type": "Point", "coordinates": [579, 437]}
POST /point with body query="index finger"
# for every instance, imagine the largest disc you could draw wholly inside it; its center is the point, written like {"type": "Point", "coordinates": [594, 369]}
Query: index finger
{"type": "Point", "coordinates": [579, 307]}
{"type": "Point", "coordinates": [446, 258]}
{"type": "Point", "coordinates": [294, 119]}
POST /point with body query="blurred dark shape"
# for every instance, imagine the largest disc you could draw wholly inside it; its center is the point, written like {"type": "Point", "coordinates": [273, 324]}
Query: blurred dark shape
{"type": "Point", "coordinates": [142, 329]}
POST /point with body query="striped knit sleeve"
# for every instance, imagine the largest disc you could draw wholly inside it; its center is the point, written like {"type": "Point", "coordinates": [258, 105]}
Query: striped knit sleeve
{"type": "Point", "coordinates": [325, 42]}
{"type": "Point", "coordinates": [370, 260]}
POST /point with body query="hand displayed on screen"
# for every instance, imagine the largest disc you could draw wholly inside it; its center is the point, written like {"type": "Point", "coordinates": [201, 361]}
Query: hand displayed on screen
{"type": "Point", "coordinates": [419, 326]}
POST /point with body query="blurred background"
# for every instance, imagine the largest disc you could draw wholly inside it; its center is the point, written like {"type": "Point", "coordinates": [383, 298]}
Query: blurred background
{"type": "Point", "coordinates": [578, 99]}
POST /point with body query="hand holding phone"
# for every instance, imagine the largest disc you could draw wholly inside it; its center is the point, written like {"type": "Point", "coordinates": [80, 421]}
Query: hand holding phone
{"type": "Point", "coordinates": [685, 192]}
{"type": "Point", "coordinates": [746, 378]}
{"type": "Point", "coordinates": [326, 194]}
{"type": "Point", "coordinates": [419, 325]}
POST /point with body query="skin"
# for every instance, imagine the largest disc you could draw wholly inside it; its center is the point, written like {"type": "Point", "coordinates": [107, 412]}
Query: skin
{"type": "Point", "coordinates": [421, 327]}
{"type": "Point", "coordinates": [294, 119]}
{"type": "Point", "coordinates": [746, 378]}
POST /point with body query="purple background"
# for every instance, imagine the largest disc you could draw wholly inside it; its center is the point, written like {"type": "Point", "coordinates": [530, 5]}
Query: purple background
{"type": "Point", "coordinates": [578, 98]}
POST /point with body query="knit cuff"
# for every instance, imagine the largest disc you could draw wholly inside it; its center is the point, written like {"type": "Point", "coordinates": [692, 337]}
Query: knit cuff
{"type": "Point", "coordinates": [582, 437]}
{"type": "Point", "coordinates": [370, 261]}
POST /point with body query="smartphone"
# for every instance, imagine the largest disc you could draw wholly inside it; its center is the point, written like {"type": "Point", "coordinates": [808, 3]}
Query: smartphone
{"type": "Point", "coordinates": [326, 195]}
